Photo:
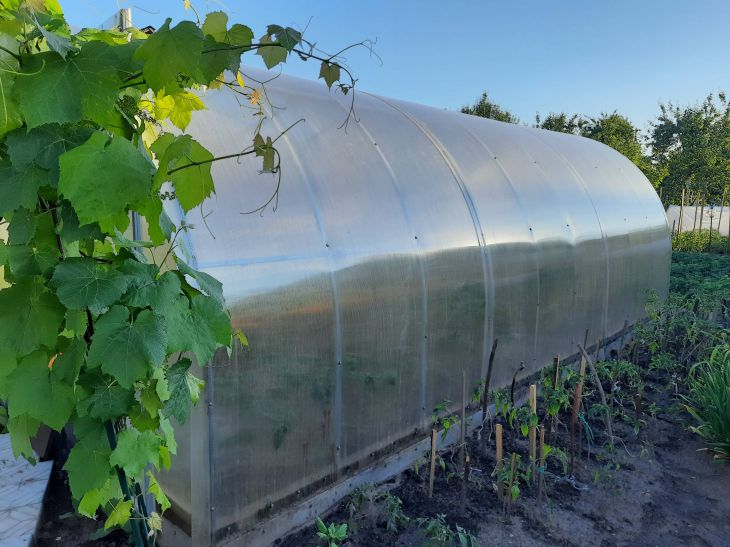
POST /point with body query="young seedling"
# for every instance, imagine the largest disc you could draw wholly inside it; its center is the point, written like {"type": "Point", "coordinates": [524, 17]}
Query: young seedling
{"type": "Point", "coordinates": [333, 535]}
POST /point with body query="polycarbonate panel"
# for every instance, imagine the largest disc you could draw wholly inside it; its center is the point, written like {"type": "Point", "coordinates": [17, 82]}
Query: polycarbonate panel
{"type": "Point", "coordinates": [399, 249]}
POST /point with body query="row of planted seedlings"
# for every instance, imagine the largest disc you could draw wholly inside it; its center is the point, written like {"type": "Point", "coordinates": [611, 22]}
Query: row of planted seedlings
{"type": "Point", "coordinates": [517, 450]}
{"type": "Point", "coordinates": [572, 401]}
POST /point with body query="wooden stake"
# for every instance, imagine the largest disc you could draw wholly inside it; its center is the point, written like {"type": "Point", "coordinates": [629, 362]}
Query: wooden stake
{"type": "Point", "coordinates": [597, 380]}
{"type": "Point", "coordinates": [500, 459]}
{"type": "Point", "coordinates": [432, 470]}
{"type": "Point", "coordinates": [598, 348]}
{"type": "Point", "coordinates": [576, 406]}
{"type": "Point", "coordinates": [488, 380]}
{"type": "Point", "coordinates": [462, 438]}
{"type": "Point", "coordinates": [541, 481]}
{"type": "Point", "coordinates": [681, 214]}
{"type": "Point", "coordinates": [533, 431]}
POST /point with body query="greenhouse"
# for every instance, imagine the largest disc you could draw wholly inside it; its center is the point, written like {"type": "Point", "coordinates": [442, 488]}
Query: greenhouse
{"type": "Point", "coordinates": [397, 249]}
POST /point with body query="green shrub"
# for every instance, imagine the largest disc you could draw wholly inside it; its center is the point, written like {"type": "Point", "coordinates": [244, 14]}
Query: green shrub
{"type": "Point", "coordinates": [701, 241]}
{"type": "Point", "coordinates": [709, 399]}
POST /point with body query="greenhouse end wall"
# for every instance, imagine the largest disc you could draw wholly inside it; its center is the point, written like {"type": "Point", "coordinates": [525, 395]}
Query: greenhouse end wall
{"type": "Point", "coordinates": [400, 247]}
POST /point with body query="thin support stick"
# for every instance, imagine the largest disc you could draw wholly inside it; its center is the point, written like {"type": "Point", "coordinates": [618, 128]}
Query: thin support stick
{"type": "Point", "coordinates": [432, 469]}
{"type": "Point", "coordinates": [488, 380]}
{"type": "Point", "coordinates": [576, 406]}
{"type": "Point", "coordinates": [533, 430]}
{"type": "Point", "coordinates": [681, 214]}
{"type": "Point", "coordinates": [598, 349]}
{"type": "Point", "coordinates": [500, 459]}
{"type": "Point", "coordinates": [597, 380]}
{"type": "Point", "coordinates": [541, 481]}
{"type": "Point", "coordinates": [462, 438]}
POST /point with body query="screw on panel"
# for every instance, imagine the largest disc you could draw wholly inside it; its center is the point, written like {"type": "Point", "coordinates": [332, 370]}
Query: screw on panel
{"type": "Point", "coordinates": [326, 244]}
{"type": "Point", "coordinates": [339, 363]}
{"type": "Point", "coordinates": [415, 237]}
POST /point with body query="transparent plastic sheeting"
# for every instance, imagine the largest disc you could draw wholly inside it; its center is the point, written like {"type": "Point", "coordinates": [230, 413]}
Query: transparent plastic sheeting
{"type": "Point", "coordinates": [400, 247]}
{"type": "Point", "coordinates": [699, 218]}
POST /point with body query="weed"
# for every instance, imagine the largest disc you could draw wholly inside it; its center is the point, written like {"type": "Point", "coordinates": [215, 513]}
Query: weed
{"type": "Point", "coordinates": [709, 399]}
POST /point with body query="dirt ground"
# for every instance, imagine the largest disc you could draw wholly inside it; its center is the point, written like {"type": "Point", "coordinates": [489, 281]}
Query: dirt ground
{"type": "Point", "coordinates": [655, 489]}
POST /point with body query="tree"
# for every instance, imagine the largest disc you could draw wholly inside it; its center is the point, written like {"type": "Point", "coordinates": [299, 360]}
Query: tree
{"type": "Point", "coordinates": [619, 133]}
{"type": "Point", "coordinates": [692, 146]}
{"type": "Point", "coordinates": [615, 131]}
{"type": "Point", "coordinates": [97, 329]}
{"type": "Point", "coordinates": [560, 122]}
{"type": "Point", "coordinates": [485, 108]}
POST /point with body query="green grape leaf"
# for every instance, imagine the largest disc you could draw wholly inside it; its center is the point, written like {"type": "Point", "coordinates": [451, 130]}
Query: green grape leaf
{"type": "Point", "coordinates": [184, 391]}
{"type": "Point", "coordinates": [34, 259]}
{"type": "Point", "coordinates": [8, 362]}
{"type": "Point", "coordinates": [68, 362]}
{"type": "Point", "coordinates": [88, 464]}
{"type": "Point", "coordinates": [127, 349]}
{"type": "Point", "coordinates": [265, 149]}
{"type": "Point", "coordinates": [271, 54]}
{"type": "Point", "coordinates": [22, 227]}
{"type": "Point", "coordinates": [37, 391]}
{"type": "Point", "coordinates": [192, 180]}
{"type": "Point", "coordinates": [181, 106]}
{"type": "Point", "coordinates": [30, 317]}
{"type": "Point", "coordinates": [155, 489]}
{"type": "Point", "coordinates": [135, 451]}
{"type": "Point", "coordinates": [82, 283]}
{"type": "Point", "coordinates": [330, 72]}
{"type": "Point", "coordinates": [170, 52]}
{"type": "Point", "coordinates": [178, 159]}
{"type": "Point", "coordinates": [217, 53]}
{"type": "Point", "coordinates": [169, 435]}
{"type": "Point", "coordinates": [10, 116]}
{"type": "Point", "coordinates": [216, 25]}
{"type": "Point", "coordinates": [287, 37]}
{"type": "Point", "coordinates": [108, 402]}
{"type": "Point", "coordinates": [70, 230]}
{"type": "Point", "coordinates": [145, 289]}
{"type": "Point", "coordinates": [120, 515]}
{"type": "Point", "coordinates": [106, 204]}
{"type": "Point", "coordinates": [41, 146]}
{"type": "Point", "coordinates": [22, 429]}
{"type": "Point", "coordinates": [200, 327]}
{"type": "Point", "coordinates": [206, 283]}
{"type": "Point", "coordinates": [159, 225]}
{"type": "Point", "coordinates": [20, 188]}
{"type": "Point", "coordinates": [150, 401]}
{"type": "Point", "coordinates": [96, 497]}
{"type": "Point", "coordinates": [66, 91]}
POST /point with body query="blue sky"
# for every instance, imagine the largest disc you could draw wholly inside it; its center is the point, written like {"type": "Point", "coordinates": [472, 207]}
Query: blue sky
{"type": "Point", "coordinates": [584, 56]}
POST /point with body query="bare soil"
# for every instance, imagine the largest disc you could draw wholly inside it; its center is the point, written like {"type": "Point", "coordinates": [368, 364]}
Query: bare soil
{"type": "Point", "coordinates": [656, 488]}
